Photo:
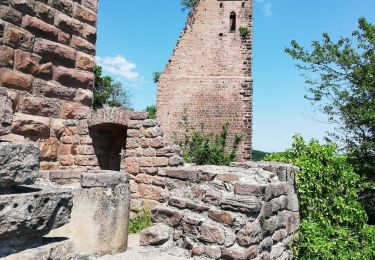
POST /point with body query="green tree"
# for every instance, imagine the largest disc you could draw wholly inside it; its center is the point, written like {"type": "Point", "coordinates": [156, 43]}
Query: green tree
{"type": "Point", "coordinates": [156, 76]}
{"type": "Point", "coordinates": [333, 222]}
{"type": "Point", "coordinates": [341, 76]}
{"type": "Point", "coordinates": [109, 92]}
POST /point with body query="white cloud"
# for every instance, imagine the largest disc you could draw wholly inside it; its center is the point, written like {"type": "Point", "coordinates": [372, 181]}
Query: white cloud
{"type": "Point", "coordinates": [267, 7]}
{"type": "Point", "coordinates": [118, 66]}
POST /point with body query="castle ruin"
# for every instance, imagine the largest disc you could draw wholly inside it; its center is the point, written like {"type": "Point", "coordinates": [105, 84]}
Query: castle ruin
{"type": "Point", "coordinates": [207, 81]}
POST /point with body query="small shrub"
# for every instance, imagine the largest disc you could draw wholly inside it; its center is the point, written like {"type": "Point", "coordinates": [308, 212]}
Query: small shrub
{"type": "Point", "coordinates": [151, 110]}
{"type": "Point", "coordinates": [244, 32]}
{"type": "Point", "coordinates": [140, 221]}
{"type": "Point", "coordinates": [156, 76]}
{"type": "Point", "coordinates": [206, 149]}
{"type": "Point", "coordinates": [333, 220]}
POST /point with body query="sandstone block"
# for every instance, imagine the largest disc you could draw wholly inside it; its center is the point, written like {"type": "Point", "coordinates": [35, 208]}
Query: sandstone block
{"type": "Point", "coordinates": [153, 132]}
{"type": "Point", "coordinates": [104, 179]}
{"type": "Point", "coordinates": [159, 161]}
{"type": "Point", "coordinates": [85, 15]}
{"type": "Point", "coordinates": [90, 4]}
{"type": "Point", "coordinates": [6, 56]}
{"type": "Point", "coordinates": [277, 189]}
{"type": "Point", "coordinates": [70, 109]}
{"type": "Point", "coordinates": [82, 45]}
{"type": "Point", "coordinates": [10, 15]}
{"type": "Point", "coordinates": [52, 89]}
{"type": "Point", "coordinates": [175, 161]}
{"type": "Point", "coordinates": [211, 234]}
{"type": "Point", "coordinates": [18, 38]}
{"type": "Point", "coordinates": [89, 33]}
{"type": "Point", "coordinates": [34, 214]}
{"type": "Point", "coordinates": [39, 27]}
{"type": "Point", "coordinates": [243, 204]}
{"type": "Point", "coordinates": [155, 235]}
{"type": "Point", "coordinates": [240, 253]}
{"type": "Point", "coordinates": [166, 216]}
{"type": "Point", "coordinates": [44, 12]}
{"type": "Point", "coordinates": [39, 106]}
{"type": "Point", "coordinates": [250, 234]}
{"type": "Point", "coordinates": [86, 160]}
{"type": "Point", "coordinates": [74, 78]}
{"type": "Point", "coordinates": [24, 6]}
{"type": "Point", "coordinates": [65, 6]}
{"type": "Point", "coordinates": [150, 123]}
{"type": "Point", "coordinates": [249, 189]}
{"type": "Point", "coordinates": [31, 125]}
{"type": "Point", "coordinates": [19, 164]}
{"type": "Point", "coordinates": [150, 191]}
{"type": "Point", "coordinates": [15, 79]}
{"type": "Point", "coordinates": [223, 217]}
{"type": "Point", "coordinates": [48, 149]}
{"type": "Point", "coordinates": [55, 52]}
{"type": "Point", "coordinates": [31, 64]}
{"type": "Point", "coordinates": [138, 115]}
{"type": "Point", "coordinates": [6, 112]}
{"type": "Point", "coordinates": [85, 61]}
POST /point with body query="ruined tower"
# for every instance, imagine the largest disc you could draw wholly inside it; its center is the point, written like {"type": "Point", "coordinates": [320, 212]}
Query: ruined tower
{"type": "Point", "coordinates": [207, 81]}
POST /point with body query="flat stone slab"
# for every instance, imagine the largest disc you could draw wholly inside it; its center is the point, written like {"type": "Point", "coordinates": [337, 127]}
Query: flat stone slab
{"type": "Point", "coordinates": [103, 179]}
{"type": "Point", "coordinates": [19, 164]}
{"type": "Point", "coordinates": [33, 213]}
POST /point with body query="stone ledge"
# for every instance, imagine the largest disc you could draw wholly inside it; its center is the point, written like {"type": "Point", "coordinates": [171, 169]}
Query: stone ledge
{"type": "Point", "coordinates": [104, 179]}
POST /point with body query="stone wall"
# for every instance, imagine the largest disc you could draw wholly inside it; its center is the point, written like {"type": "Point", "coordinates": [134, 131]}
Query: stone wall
{"type": "Point", "coordinates": [227, 212]}
{"type": "Point", "coordinates": [208, 78]}
{"type": "Point", "coordinates": [47, 50]}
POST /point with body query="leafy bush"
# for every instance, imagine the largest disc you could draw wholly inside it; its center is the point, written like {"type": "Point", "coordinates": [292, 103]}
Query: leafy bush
{"type": "Point", "coordinates": [206, 149]}
{"type": "Point", "coordinates": [333, 221]}
{"type": "Point", "coordinates": [151, 110]}
{"type": "Point", "coordinates": [156, 76]}
{"type": "Point", "coordinates": [140, 221]}
{"type": "Point", "coordinates": [188, 4]}
{"type": "Point", "coordinates": [244, 32]}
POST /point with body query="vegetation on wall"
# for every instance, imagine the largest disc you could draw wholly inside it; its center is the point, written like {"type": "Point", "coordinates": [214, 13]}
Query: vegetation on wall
{"type": "Point", "coordinates": [333, 222]}
{"type": "Point", "coordinates": [140, 221]}
{"type": "Point", "coordinates": [342, 86]}
{"type": "Point", "coordinates": [156, 76]}
{"type": "Point", "coordinates": [188, 4]}
{"type": "Point", "coordinates": [244, 32]}
{"type": "Point", "coordinates": [109, 92]}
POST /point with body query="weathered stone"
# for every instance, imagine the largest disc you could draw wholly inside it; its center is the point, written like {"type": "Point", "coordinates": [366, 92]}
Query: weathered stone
{"type": "Point", "coordinates": [240, 253]}
{"type": "Point", "coordinates": [242, 204]}
{"type": "Point", "coordinates": [266, 244]}
{"type": "Point", "coordinates": [52, 89]}
{"type": "Point", "coordinates": [6, 112]}
{"type": "Point", "coordinates": [211, 234]}
{"type": "Point", "coordinates": [150, 123]}
{"type": "Point", "coordinates": [85, 61]}
{"type": "Point", "coordinates": [19, 164]}
{"type": "Point", "coordinates": [31, 125]}
{"type": "Point", "coordinates": [6, 56]}
{"type": "Point", "coordinates": [31, 64]}
{"type": "Point", "coordinates": [155, 235]}
{"type": "Point", "coordinates": [10, 15]}
{"type": "Point", "coordinates": [55, 52]}
{"type": "Point", "coordinates": [18, 38]}
{"type": "Point", "coordinates": [279, 235]}
{"type": "Point", "coordinates": [103, 179]}
{"type": "Point", "coordinates": [33, 213]}
{"type": "Point", "coordinates": [82, 45]}
{"type": "Point", "coordinates": [48, 149]}
{"type": "Point", "coordinates": [175, 161]}
{"type": "Point", "coordinates": [213, 197]}
{"type": "Point", "coordinates": [212, 252]}
{"type": "Point", "coordinates": [223, 217]}
{"type": "Point", "coordinates": [150, 191]}
{"type": "Point", "coordinates": [166, 216]}
{"type": "Point", "coordinates": [44, 12]}
{"type": "Point", "coordinates": [74, 78]}
{"type": "Point", "coordinates": [84, 14]}
{"type": "Point", "coordinates": [39, 106]}
{"type": "Point", "coordinates": [15, 79]}
{"type": "Point", "coordinates": [39, 27]}
{"type": "Point", "coordinates": [65, 6]}
{"type": "Point", "coordinates": [277, 189]}
{"type": "Point", "coordinates": [249, 189]}
{"type": "Point", "coordinates": [69, 110]}
{"type": "Point", "coordinates": [250, 234]}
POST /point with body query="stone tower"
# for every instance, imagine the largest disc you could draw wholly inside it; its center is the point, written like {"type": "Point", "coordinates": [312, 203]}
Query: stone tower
{"type": "Point", "coordinates": [208, 78]}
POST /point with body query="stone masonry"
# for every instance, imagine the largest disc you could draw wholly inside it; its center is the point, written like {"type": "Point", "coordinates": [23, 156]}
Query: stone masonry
{"type": "Point", "coordinates": [241, 212]}
{"type": "Point", "coordinates": [47, 56]}
{"type": "Point", "coordinates": [208, 78]}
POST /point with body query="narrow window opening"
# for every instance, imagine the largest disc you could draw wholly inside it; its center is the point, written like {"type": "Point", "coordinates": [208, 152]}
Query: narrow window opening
{"type": "Point", "coordinates": [221, 5]}
{"type": "Point", "coordinates": [243, 4]}
{"type": "Point", "coordinates": [232, 22]}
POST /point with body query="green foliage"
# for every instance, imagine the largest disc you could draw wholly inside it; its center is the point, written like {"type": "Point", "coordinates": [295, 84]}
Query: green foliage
{"type": "Point", "coordinates": [156, 76]}
{"type": "Point", "coordinates": [333, 221]}
{"type": "Point", "coordinates": [341, 76]}
{"type": "Point", "coordinates": [140, 221]}
{"type": "Point", "coordinates": [109, 92]}
{"type": "Point", "coordinates": [244, 32]}
{"type": "Point", "coordinates": [258, 155]}
{"type": "Point", "coordinates": [151, 110]}
{"type": "Point", "coordinates": [188, 4]}
{"type": "Point", "coordinates": [207, 149]}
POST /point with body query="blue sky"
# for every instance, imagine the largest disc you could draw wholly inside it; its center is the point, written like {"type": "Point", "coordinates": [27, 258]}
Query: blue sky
{"type": "Point", "coordinates": [136, 38]}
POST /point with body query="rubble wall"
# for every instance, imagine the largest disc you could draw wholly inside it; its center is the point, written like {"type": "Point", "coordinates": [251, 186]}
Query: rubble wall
{"type": "Point", "coordinates": [207, 81]}
{"type": "Point", "coordinates": [242, 212]}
